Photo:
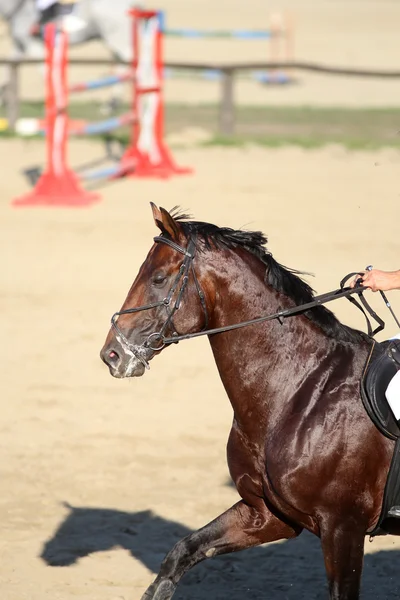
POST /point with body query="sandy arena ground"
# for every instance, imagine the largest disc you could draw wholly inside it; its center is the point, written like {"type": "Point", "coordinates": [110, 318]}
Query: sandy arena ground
{"type": "Point", "coordinates": [99, 477]}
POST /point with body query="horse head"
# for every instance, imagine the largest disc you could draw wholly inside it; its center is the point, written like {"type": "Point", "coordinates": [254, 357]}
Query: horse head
{"type": "Point", "coordinates": [168, 298]}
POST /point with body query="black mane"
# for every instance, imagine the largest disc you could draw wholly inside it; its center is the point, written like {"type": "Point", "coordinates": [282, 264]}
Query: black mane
{"type": "Point", "coordinates": [284, 280]}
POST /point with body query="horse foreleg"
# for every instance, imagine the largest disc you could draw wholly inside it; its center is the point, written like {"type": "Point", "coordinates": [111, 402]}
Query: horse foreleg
{"type": "Point", "coordinates": [4, 85]}
{"type": "Point", "coordinates": [343, 548]}
{"type": "Point", "coordinates": [240, 527]}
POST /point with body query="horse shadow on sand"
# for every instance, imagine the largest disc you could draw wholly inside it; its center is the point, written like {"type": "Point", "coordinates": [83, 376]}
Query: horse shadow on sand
{"type": "Point", "coordinates": [290, 570]}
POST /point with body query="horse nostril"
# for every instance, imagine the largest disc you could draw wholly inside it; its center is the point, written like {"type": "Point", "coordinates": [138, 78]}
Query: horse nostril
{"type": "Point", "coordinates": [110, 357]}
{"type": "Point", "coordinates": [113, 357]}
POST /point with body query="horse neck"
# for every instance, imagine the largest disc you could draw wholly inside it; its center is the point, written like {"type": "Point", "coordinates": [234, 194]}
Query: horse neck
{"type": "Point", "coordinates": [7, 8]}
{"type": "Point", "coordinates": [260, 365]}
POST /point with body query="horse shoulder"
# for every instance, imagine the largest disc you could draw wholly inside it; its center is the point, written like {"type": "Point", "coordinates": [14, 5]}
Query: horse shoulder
{"type": "Point", "coordinates": [245, 466]}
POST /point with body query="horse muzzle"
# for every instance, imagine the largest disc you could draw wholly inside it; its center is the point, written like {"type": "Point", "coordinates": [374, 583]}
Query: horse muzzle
{"type": "Point", "coordinates": [125, 361]}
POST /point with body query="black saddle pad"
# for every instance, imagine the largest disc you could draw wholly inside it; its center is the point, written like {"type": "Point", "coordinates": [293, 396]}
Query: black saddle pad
{"type": "Point", "coordinates": [381, 367]}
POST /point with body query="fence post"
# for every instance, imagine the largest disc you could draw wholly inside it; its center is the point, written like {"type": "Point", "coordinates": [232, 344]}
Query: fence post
{"type": "Point", "coordinates": [13, 95]}
{"type": "Point", "coordinates": [227, 108]}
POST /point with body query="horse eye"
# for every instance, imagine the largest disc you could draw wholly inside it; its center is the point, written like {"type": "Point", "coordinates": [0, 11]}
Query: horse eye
{"type": "Point", "coordinates": [159, 278]}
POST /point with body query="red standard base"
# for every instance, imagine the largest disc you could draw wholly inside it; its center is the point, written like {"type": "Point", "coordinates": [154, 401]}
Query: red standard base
{"type": "Point", "coordinates": [168, 162]}
{"type": "Point", "coordinates": [144, 167]}
{"type": "Point", "coordinates": [57, 191]}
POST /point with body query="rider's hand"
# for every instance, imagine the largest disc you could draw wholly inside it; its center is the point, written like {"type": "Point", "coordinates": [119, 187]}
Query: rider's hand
{"type": "Point", "coordinates": [378, 280]}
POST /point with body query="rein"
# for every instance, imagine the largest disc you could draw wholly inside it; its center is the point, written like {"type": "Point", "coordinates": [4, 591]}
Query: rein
{"type": "Point", "coordinates": [280, 315]}
{"type": "Point", "coordinates": [183, 274]}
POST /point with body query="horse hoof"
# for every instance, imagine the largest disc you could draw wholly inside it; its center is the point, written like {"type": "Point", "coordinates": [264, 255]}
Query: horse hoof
{"type": "Point", "coordinates": [162, 590]}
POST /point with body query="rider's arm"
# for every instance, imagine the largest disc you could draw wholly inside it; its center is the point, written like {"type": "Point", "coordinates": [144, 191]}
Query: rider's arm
{"type": "Point", "coordinates": [379, 280]}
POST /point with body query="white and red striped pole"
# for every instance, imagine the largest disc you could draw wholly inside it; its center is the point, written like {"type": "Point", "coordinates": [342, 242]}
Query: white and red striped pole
{"type": "Point", "coordinates": [58, 186]}
{"type": "Point", "coordinates": [148, 149]}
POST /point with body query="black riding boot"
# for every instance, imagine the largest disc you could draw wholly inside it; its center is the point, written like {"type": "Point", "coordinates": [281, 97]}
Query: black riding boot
{"type": "Point", "coordinates": [49, 14]}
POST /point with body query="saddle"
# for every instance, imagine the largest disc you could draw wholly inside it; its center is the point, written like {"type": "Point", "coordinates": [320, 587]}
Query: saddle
{"type": "Point", "coordinates": [382, 365]}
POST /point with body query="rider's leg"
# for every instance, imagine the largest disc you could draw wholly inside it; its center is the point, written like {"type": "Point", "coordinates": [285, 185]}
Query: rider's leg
{"type": "Point", "coordinates": [393, 398]}
{"type": "Point", "coordinates": [61, 11]}
{"type": "Point", "coordinates": [71, 22]}
{"type": "Point", "coordinates": [47, 11]}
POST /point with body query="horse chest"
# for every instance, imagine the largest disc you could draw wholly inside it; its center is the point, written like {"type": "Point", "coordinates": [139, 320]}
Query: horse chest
{"type": "Point", "coordinates": [258, 476]}
{"type": "Point", "coordinates": [246, 463]}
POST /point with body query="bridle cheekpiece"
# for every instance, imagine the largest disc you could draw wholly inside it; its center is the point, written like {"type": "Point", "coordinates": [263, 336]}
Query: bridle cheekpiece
{"type": "Point", "coordinates": [156, 341]}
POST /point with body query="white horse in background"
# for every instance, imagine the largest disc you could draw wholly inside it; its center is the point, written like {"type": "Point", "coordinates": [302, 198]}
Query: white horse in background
{"type": "Point", "coordinates": [105, 20]}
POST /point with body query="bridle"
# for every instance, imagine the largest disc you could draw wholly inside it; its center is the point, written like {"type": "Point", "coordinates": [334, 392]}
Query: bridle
{"type": "Point", "coordinates": [182, 278]}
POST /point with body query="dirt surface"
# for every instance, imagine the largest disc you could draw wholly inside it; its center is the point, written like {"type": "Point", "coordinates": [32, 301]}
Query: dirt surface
{"type": "Point", "coordinates": [99, 477]}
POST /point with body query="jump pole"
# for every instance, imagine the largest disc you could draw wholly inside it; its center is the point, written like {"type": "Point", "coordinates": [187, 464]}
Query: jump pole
{"type": "Point", "coordinates": [58, 186]}
{"type": "Point", "coordinates": [148, 150]}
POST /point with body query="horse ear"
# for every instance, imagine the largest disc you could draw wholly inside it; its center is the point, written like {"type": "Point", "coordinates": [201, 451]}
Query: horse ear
{"type": "Point", "coordinates": [157, 216]}
{"type": "Point", "coordinates": [167, 224]}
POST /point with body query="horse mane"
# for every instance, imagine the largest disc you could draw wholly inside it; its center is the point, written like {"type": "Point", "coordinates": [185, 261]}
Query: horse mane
{"type": "Point", "coordinates": [281, 278]}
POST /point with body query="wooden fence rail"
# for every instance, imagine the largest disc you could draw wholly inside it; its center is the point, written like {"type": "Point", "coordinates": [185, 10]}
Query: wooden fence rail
{"type": "Point", "coordinates": [228, 73]}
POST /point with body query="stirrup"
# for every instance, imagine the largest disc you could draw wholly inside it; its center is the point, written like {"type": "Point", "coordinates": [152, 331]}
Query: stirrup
{"type": "Point", "coordinates": [394, 512]}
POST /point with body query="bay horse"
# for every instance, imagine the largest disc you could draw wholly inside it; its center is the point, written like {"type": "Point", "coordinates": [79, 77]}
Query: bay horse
{"type": "Point", "coordinates": [302, 451]}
